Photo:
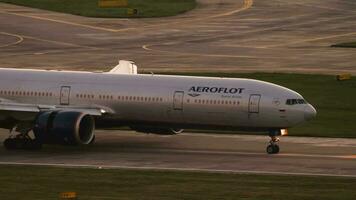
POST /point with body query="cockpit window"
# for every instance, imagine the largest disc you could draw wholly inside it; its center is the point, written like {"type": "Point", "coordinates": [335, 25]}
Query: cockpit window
{"type": "Point", "coordinates": [301, 101]}
{"type": "Point", "coordinates": [295, 101]}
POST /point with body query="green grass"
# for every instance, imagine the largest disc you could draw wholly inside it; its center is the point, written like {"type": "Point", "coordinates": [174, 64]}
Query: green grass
{"type": "Point", "coordinates": [335, 101]}
{"type": "Point", "coordinates": [345, 45]}
{"type": "Point", "coordinates": [89, 8]}
{"type": "Point", "coordinates": [25, 182]}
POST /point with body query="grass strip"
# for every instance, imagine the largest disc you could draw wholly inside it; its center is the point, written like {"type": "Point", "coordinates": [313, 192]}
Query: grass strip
{"type": "Point", "coordinates": [89, 8]}
{"type": "Point", "coordinates": [345, 45]}
{"type": "Point", "coordinates": [31, 182]}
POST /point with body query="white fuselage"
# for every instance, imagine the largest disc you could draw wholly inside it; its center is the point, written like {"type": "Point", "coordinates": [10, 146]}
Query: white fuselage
{"type": "Point", "coordinates": [179, 101]}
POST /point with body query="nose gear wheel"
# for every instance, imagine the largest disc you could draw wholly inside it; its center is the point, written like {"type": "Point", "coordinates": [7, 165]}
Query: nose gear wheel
{"type": "Point", "coordinates": [273, 147]}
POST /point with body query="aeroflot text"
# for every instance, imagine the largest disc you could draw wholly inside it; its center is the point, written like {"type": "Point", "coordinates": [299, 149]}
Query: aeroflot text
{"type": "Point", "coordinates": [216, 90]}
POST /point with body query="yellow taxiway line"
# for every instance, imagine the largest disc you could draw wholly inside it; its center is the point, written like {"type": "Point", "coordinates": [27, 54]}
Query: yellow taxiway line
{"type": "Point", "coordinates": [312, 39]}
{"type": "Point", "coordinates": [20, 39]}
{"type": "Point", "coordinates": [59, 21]}
{"type": "Point", "coordinates": [147, 48]}
{"type": "Point", "coordinates": [246, 5]}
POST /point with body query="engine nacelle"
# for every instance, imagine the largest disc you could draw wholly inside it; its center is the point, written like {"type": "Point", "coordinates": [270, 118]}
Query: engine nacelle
{"type": "Point", "coordinates": [157, 130]}
{"type": "Point", "coordinates": [64, 127]}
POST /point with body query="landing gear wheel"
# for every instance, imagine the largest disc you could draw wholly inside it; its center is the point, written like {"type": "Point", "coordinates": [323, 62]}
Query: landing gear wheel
{"type": "Point", "coordinates": [10, 144]}
{"type": "Point", "coordinates": [272, 149]}
{"type": "Point", "coordinates": [22, 141]}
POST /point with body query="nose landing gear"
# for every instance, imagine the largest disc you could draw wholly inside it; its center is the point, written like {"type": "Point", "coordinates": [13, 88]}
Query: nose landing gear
{"type": "Point", "coordinates": [273, 147]}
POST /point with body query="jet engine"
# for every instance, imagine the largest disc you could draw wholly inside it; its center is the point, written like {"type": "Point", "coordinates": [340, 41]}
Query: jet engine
{"type": "Point", "coordinates": [157, 130]}
{"type": "Point", "coordinates": [64, 127]}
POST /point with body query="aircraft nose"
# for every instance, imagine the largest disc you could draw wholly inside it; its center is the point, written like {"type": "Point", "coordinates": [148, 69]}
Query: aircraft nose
{"type": "Point", "coordinates": [309, 112]}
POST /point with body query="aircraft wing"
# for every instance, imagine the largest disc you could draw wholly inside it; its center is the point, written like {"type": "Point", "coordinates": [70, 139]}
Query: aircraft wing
{"type": "Point", "coordinates": [34, 108]}
{"type": "Point", "coordinates": [18, 107]}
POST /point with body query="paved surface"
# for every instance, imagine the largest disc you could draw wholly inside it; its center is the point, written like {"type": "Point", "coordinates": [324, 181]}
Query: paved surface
{"type": "Point", "coordinates": [220, 35]}
{"type": "Point", "coordinates": [202, 152]}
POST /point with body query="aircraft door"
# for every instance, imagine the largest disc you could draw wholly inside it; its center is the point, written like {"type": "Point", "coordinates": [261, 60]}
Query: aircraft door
{"type": "Point", "coordinates": [175, 113]}
{"type": "Point", "coordinates": [64, 96]}
{"type": "Point", "coordinates": [178, 100]}
{"type": "Point", "coordinates": [254, 103]}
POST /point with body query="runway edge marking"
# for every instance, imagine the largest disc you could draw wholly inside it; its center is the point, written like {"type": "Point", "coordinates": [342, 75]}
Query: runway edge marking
{"type": "Point", "coordinates": [178, 169]}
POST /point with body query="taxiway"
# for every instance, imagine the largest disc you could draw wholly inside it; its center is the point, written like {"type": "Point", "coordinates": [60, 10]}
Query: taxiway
{"type": "Point", "coordinates": [220, 35]}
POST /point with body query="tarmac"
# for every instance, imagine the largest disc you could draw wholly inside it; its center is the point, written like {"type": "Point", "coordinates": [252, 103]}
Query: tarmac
{"type": "Point", "coordinates": [198, 152]}
{"type": "Point", "coordinates": [220, 35]}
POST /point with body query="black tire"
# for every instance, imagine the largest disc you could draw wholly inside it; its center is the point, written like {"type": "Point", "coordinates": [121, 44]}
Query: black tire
{"type": "Point", "coordinates": [270, 149]}
{"type": "Point", "coordinates": [9, 144]}
{"type": "Point", "coordinates": [32, 145]}
{"type": "Point", "coordinates": [276, 149]}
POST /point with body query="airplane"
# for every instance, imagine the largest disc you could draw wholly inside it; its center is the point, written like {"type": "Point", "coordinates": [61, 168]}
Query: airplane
{"type": "Point", "coordinates": [65, 107]}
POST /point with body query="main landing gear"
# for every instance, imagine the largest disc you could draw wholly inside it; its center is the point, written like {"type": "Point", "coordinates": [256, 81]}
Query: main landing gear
{"type": "Point", "coordinates": [273, 147]}
{"type": "Point", "coordinates": [21, 140]}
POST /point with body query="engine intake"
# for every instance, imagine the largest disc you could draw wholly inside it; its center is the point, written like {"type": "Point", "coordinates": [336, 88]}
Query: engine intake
{"type": "Point", "coordinates": [64, 127]}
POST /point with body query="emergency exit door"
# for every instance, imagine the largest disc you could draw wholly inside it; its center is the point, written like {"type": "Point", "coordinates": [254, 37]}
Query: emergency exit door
{"type": "Point", "coordinates": [254, 103]}
{"type": "Point", "coordinates": [64, 96]}
{"type": "Point", "coordinates": [178, 100]}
